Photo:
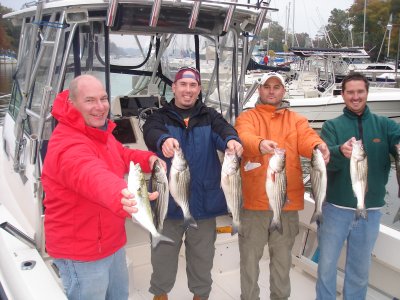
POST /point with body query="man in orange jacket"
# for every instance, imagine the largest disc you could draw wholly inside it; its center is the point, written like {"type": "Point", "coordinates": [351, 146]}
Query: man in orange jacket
{"type": "Point", "coordinates": [268, 126]}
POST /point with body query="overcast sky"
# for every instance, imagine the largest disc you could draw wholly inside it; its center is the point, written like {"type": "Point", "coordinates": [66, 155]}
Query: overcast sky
{"type": "Point", "coordinates": [309, 16]}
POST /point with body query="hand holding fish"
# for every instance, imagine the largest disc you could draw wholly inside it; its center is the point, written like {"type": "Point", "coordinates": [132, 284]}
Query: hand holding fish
{"type": "Point", "coordinates": [267, 146]}
{"type": "Point", "coordinates": [325, 152]}
{"type": "Point", "coordinates": [168, 147]}
{"type": "Point", "coordinates": [153, 159]}
{"type": "Point", "coordinates": [347, 147]}
{"type": "Point", "coordinates": [128, 201]}
{"type": "Point", "coordinates": [233, 147]}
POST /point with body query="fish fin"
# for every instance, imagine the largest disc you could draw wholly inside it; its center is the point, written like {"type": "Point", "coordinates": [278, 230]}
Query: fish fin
{"type": "Point", "coordinates": [189, 222]}
{"type": "Point", "coordinates": [286, 202]}
{"type": "Point", "coordinates": [156, 239]}
{"type": "Point", "coordinates": [397, 217]}
{"type": "Point", "coordinates": [276, 225]}
{"type": "Point", "coordinates": [316, 217]}
{"type": "Point", "coordinates": [235, 228]}
{"type": "Point", "coordinates": [159, 226]}
{"type": "Point", "coordinates": [273, 176]}
{"type": "Point", "coordinates": [361, 212]}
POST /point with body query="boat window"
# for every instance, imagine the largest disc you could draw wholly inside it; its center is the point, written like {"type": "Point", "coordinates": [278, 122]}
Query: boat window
{"type": "Point", "coordinates": [87, 55]}
{"type": "Point", "coordinates": [43, 79]}
{"type": "Point", "coordinates": [29, 33]}
{"type": "Point", "coordinates": [129, 50]}
{"type": "Point", "coordinates": [15, 101]}
{"type": "Point", "coordinates": [19, 84]}
{"type": "Point", "coordinates": [133, 62]}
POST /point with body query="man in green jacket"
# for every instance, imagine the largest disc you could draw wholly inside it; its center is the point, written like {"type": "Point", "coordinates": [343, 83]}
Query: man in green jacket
{"type": "Point", "coordinates": [341, 223]}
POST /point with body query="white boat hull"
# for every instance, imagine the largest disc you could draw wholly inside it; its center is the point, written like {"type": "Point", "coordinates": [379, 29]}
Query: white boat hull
{"type": "Point", "coordinates": [381, 101]}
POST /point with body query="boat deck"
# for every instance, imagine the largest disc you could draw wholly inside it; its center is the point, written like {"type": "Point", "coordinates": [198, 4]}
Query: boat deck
{"type": "Point", "coordinates": [225, 273]}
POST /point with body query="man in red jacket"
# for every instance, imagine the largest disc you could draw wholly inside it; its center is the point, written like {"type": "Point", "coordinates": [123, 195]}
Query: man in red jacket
{"type": "Point", "coordinates": [83, 180]}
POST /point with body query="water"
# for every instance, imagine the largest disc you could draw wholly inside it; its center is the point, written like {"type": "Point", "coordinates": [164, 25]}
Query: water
{"type": "Point", "coordinates": [121, 84]}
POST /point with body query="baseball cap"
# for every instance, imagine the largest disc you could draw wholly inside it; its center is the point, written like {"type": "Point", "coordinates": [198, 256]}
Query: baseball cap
{"type": "Point", "coordinates": [270, 75]}
{"type": "Point", "coordinates": [183, 73]}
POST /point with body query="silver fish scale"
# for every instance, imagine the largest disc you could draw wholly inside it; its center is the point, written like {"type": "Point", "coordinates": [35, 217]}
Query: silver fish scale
{"type": "Point", "coordinates": [179, 185]}
{"type": "Point", "coordinates": [318, 183]}
{"type": "Point", "coordinates": [160, 184]}
{"type": "Point", "coordinates": [232, 188]}
{"type": "Point", "coordinates": [137, 186]}
{"type": "Point", "coordinates": [182, 189]}
{"type": "Point", "coordinates": [397, 165]}
{"type": "Point", "coordinates": [276, 187]}
{"type": "Point", "coordinates": [359, 176]}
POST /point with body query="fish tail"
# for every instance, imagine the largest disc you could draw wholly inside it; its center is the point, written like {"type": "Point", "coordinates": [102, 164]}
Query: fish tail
{"type": "Point", "coordinates": [361, 212]}
{"type": "Point", "coordinates": [157, 238]}
{"type": "Point", "coordinates": [276, 225]}
{"type": "Point", "coordinates": [316, 217]}
{"type": "Point", "coordinates": [397, 217]}
{"type": "Point", "coordinates": [188, 221]}
{"type": "Point", "coordinates": [235, 228]}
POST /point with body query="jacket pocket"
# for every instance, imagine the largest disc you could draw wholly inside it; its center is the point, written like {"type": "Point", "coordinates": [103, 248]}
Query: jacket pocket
{"type": "Point", "coordinates": [213, 197]}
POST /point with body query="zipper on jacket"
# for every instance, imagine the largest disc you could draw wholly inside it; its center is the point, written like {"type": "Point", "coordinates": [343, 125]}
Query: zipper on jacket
{"type": "Point", "coordinates": [360, 128]}
{"type": "Point", "coordinates": [99, 248]}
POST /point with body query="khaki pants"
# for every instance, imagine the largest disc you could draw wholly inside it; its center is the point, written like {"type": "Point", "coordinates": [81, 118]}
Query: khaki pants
{"type": "Point", "coordinates": [200, 250]}
{"type": "Point", "coordinates": [253, 236]}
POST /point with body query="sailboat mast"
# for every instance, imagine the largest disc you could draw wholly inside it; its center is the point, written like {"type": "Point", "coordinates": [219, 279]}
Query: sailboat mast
{"type": "Point", "coordinates": [293, 37]}
{"type": "Point", "coordinates": [365, 19]}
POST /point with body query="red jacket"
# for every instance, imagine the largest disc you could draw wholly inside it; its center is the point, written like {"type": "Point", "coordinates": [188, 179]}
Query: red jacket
{"type": "Point", "coordinates": [82, 179]}
{"type": "Point", "coordinates": [292, 132]}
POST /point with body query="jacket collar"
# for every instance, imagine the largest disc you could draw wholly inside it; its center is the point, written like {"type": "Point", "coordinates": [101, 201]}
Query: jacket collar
{"type": "Point", "coordinates": [272, 109]}
{"type": "Point", "coordinates": [353, 115]}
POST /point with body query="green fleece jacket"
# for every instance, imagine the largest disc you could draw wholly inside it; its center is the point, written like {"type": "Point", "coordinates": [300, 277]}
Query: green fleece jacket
{"type": "Point", "coordinates": [379, 135]}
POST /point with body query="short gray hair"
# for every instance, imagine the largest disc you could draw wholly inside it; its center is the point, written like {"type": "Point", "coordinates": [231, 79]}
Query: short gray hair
{"type": "Point", "coordinates": [73, 85]}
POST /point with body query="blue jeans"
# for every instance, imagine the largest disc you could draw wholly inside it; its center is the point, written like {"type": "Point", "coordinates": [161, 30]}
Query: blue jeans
{"type": "Point", "coordinates": [339, 225]}
{"type": "Point", "coordinates": [106, 278]}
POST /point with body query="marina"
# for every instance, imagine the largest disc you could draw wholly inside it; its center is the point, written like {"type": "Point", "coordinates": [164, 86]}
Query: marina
{"type": "Point", "coordinates": [132, 47]}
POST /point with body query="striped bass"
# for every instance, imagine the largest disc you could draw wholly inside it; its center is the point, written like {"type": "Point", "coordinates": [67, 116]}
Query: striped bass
{"type": "Point", "coordinates": [276, 187]}
{"type": "Point", "coordinates": [179, 185]}
{"type": "Point", "coordinates": [319, 180]}
{"type": "Point", "coordinates": [359, 176]}
{"type": "Point", "coordinates": [159, 183]}
{"type": "Point", "coordinates": [137, 186]}
{"type": "Point", "coordinates": [232, 186]}
{"type": "Point", "coordinates": [397, 164]}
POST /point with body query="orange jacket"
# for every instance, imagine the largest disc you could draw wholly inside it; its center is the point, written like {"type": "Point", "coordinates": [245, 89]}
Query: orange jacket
{"type": "Point", "coordinates": [292, 132]}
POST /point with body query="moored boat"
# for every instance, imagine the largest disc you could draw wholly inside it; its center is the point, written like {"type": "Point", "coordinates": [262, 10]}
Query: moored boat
{"type": "Point", "coordinates": [127, 45]}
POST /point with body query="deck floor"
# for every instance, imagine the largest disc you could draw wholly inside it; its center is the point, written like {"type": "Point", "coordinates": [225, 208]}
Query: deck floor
{"type": "Point", "coordinates": [225, 273]}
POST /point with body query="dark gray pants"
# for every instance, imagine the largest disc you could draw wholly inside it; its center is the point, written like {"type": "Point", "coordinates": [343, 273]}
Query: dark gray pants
{"type": "Point", "coordinates": [253, 236]}
{"type": "Point", "coordinates": [200, 250]}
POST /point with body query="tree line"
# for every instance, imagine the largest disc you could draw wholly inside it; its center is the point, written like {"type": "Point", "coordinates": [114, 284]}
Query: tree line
{"type": "Point", "coordinates": [345, 29]}
{"type": "Point", "coordinates": [9, 34]}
